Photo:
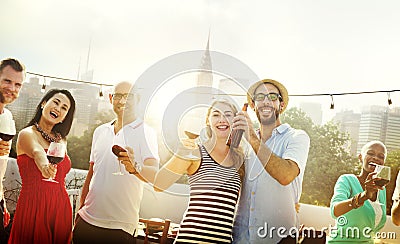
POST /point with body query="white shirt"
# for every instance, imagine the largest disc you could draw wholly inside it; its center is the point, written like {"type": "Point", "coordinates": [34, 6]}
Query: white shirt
{"type": "Point", "coordinates": [113, 201]}
{"type": "Point", "coordinates": [6, 116]}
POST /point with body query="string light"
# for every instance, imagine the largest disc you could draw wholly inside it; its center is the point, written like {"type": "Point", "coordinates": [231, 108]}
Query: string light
{"type": "Point", "coordinates": [389, 99]}
{"type": "Point", "coordinates": [101, 91]}
{"type": "Point", "coordinates": [66, 79]}
{"type": "Point", "coordinates": [332, 106]}
{"type": "Point", "coordinates": [43, 85]}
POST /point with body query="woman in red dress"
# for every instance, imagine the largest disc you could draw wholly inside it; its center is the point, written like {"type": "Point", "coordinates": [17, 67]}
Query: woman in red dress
{"type": "Point", "coordinates": [44, 213]}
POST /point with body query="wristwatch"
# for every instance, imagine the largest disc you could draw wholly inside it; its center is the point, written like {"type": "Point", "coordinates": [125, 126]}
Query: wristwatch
{"type": "Point", "coordinates": [138, 168]}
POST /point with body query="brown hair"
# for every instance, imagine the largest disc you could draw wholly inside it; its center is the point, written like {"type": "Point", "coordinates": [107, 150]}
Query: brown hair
{"type": "Point", "coordinates": [15, 64]}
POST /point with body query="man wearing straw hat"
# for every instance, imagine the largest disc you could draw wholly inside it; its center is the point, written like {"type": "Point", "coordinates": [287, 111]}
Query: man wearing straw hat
{"type": "Point", "coordinates": [274, 172]}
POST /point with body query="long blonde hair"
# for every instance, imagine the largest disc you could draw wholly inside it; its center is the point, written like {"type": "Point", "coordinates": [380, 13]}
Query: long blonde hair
{"type": "Point", "coordinates": [236, 154]}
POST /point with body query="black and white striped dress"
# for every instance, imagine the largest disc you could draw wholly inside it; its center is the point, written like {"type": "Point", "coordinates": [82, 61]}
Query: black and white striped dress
{"type": "Point", "coordinates": [214, 191]}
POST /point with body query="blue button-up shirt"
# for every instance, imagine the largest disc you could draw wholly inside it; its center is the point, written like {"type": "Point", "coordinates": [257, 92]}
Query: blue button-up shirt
{"type": "Point", "coordinates": [266, 211]}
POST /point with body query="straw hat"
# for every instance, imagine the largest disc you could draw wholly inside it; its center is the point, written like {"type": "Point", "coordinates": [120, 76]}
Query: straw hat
{"type": "Point", "coordinates": [281, 88]}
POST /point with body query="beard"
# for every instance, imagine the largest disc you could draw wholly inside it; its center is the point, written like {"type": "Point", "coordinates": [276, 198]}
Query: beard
{"type": "Point", "coordinates": [268, 120]}
{"type": "Point", "coordinates": [2, 98]}
{"type": "Point", "coordinates": [7, 100]}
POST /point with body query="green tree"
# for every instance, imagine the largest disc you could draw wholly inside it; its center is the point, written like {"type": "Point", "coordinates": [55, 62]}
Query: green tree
{"type": "Point", "coordinates": [392, 160]}
{"type": "Point", "coordinates": [328, 157]}
{"type": "Point", "coordinates": [79, 147]}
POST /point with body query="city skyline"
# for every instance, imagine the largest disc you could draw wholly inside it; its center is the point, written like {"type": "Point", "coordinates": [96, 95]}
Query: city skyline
{"type": "Point", "coordinates": [312, 47]}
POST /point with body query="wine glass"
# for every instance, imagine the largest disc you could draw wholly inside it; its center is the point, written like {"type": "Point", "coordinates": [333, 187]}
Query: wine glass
{"type": "Point", "coordinates": [116, 149]}
{"type": "Point", "coordinates": [7, 131]}
{"type": "Point", "coordinates": [382, 175]}
{"type": "Point", "coordinates": [192, 136]}
{"type": "Point", "coordinates": [55, 154]}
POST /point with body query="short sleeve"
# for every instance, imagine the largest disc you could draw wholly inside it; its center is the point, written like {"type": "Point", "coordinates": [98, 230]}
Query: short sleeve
{"type": "Point", "coordinates": [297, 149]}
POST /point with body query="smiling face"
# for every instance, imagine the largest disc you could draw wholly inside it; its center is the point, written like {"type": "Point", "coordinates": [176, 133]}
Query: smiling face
{"type": "Point", "coordinates": [124, 100]}
{"type": "Point", "coordinates": [267, 109]}
{"type": "Point", "coordinates": [372, 153]}
{"type": "Point", "coordinates": [56, 108]}
{"type": "Point", "coordinates": [220, 119]}
{"type": "Point", "coordinates": [10, 84]}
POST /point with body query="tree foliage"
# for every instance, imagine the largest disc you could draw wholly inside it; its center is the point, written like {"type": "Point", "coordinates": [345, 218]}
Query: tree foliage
{"type": "Point", "coordinates": [328, 157]}
{"type": "Point", "coordinates": [79, 147]}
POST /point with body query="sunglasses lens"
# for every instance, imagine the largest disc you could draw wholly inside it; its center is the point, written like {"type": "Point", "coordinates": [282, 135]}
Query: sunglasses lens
{"type": "Point", "coordinates": [270, 96]}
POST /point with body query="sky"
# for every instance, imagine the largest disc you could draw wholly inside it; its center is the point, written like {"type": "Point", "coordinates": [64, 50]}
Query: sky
{"type": "Point", "coordinates": [310, 46]}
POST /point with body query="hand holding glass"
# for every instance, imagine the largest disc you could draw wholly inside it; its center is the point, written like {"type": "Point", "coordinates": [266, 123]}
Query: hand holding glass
{"type": "Point", "coordinates": [7, 131]}
{"type": "Point", "coordinates": [383, 175]}
{"type": "Point", "coordinates": [116, 149]}
{"type": "Point", "coordinates": [55, 154]}
{"type": "Point", "coordinates": [190, 155]}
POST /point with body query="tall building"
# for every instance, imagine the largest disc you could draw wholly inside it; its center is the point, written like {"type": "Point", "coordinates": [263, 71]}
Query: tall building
{"type": "Point", "coordinates": [86, 98]}
{"type": "Point", "coordinates": [205, 76]}
{"type": "Point", "coordinates": [236, 89]}
{"type": "Point", "coordinates": [380, 123]}
{"type": "Point", "coordinates": [24, 107]}
{"type": "Point", "coordinates": [349, 122]}
{"type": "Point", "coordinates": [392, 137]}
{"type": "Point", "coordinates": [313, 110]}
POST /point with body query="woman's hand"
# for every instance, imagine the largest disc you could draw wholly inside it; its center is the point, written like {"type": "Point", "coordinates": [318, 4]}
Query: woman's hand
{"type": "Point", "coordinates": [370, 187]}
{"type": "Point", "coordinates": [242, 121]}
{"type": "Point", "coordinates": [49, 171]}
{"type": "Point", "coordinates": [187, 147]}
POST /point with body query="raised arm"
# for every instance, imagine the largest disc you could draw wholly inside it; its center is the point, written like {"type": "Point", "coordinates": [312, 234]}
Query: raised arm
{"type": "Point", "coordinates": [172, 171]}
{"type": "Point", "coordinates": [27, 144]}
{"type": "Point", "coordinates": [284, 169]}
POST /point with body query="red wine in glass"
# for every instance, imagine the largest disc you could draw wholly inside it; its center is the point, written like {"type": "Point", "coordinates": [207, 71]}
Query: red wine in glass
{"type": "Point", "coordinates": [6, 137]}
{"type": "Point", "coordinates": [55, 154]}
{"type": "Point", "coordinates": [381, 182]}
{"type": "Point", "coordinates": [54, 159]}
{"type": "Point", "coordinates": [116, 149]}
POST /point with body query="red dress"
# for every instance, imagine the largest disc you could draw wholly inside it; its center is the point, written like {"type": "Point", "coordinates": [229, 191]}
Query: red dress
{"type": "Point", "coordinates": [43, 213]}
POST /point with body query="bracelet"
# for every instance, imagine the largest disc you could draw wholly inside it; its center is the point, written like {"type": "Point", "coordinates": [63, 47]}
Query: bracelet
{"type": "Point", "coordinates": [355, 201]}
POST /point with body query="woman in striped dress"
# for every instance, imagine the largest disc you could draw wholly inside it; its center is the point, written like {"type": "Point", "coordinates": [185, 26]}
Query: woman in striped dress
{"type": "Point", "coordinates": [214, 179]}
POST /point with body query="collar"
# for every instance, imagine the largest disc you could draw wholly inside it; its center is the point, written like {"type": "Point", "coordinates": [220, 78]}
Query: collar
{"type": "Point", "coordinates": [282, 128]}
{"type": "Point", "coordinates": [134, 124]}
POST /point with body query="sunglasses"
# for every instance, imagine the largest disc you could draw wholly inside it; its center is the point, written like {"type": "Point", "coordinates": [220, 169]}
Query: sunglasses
{"type": "Point", "coordinates": [270, 96]}
{"type": "Point", "coordinates": [119, 96]}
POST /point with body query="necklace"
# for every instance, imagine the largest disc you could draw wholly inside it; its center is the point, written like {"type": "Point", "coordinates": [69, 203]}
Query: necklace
{"type": "Point", "coordinates": [46, 136]}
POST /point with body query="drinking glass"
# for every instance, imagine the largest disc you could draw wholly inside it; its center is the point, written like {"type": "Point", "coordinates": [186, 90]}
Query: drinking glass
{"type": "Point", "coordinates": [383, 174]}
{"type": "Point", "coordinates": [116, 149]}
{"type": "Point", "coordinates": [190, 155]}
{"type": "Point", "coordinates": [55, 154]}
{"type": "Point", "coordinates": [7, 131]}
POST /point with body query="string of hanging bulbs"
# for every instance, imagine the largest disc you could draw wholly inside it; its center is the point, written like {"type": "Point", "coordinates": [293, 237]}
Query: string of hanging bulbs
{"type": "Point", "coordinates": [43, 89]}
{"type": "Point", "coordinates": [332, 105]}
